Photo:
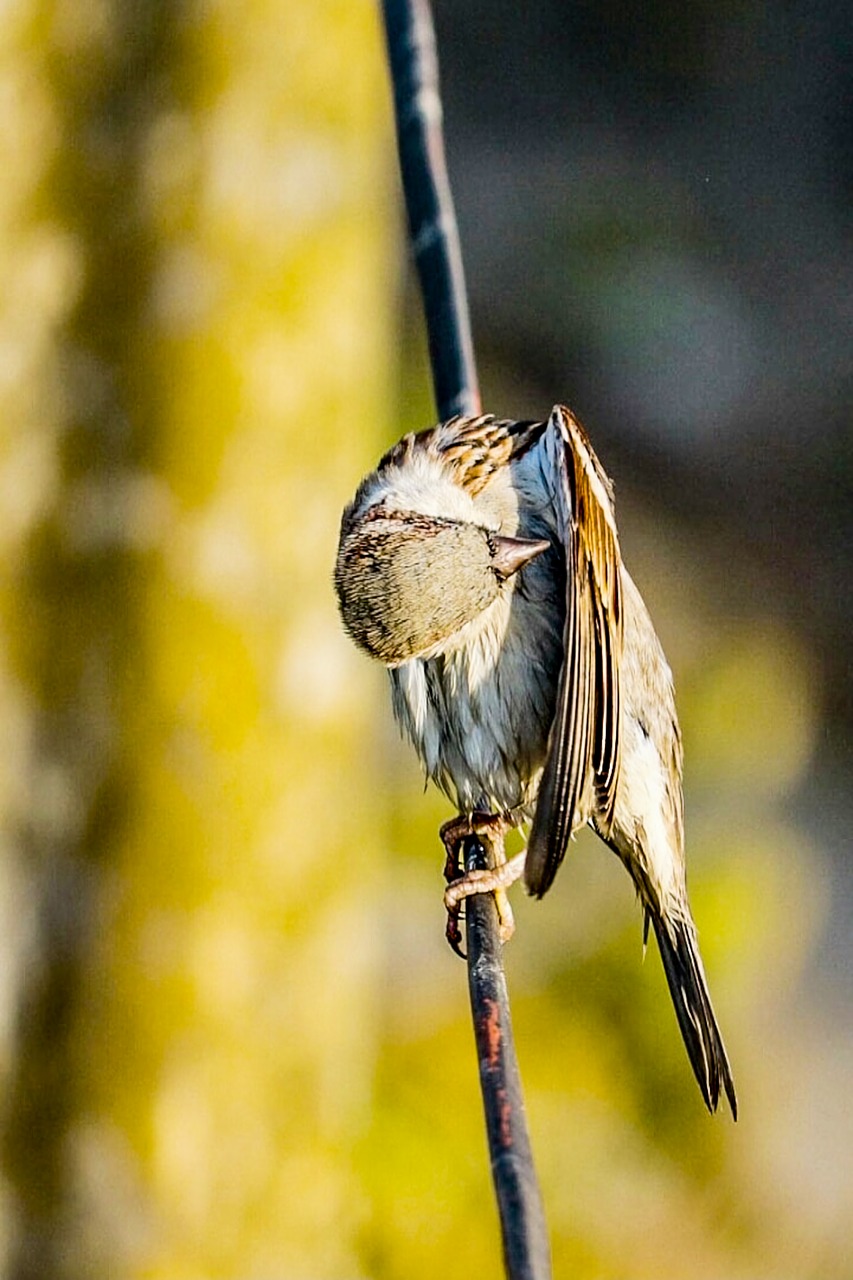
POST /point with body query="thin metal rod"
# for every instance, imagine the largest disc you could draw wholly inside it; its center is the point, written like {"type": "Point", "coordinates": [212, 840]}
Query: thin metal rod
{"type": "Point", "coordinates": [432, 218]}
{"type": "Point", "coordinates": [527, 1254]}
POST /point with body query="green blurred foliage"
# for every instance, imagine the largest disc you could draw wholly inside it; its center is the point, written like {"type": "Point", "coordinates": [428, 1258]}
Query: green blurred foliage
{"type": "Point", "coordinates": [233, 1040]}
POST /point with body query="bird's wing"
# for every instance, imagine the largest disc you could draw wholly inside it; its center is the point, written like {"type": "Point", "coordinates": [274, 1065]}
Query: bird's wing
{"type": "Point", "coordinates": [582, 766]}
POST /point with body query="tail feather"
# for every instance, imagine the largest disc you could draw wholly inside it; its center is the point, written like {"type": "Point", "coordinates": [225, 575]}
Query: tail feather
{"type": "Point", "coordinates": [689, 990]}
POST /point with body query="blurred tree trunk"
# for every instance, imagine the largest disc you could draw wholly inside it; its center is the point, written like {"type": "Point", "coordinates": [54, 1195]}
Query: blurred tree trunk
{"type": "Point", "coordinates": [199, 282]}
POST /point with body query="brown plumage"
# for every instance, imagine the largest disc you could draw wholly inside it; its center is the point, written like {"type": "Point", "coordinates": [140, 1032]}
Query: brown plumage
{"type": "Point", "coordinates": [481, 563]}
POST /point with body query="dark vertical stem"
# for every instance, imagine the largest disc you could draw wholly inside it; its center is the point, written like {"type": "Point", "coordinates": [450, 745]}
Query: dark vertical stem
{"type": "Point", "coordinates": [527, 1254]}
{"type": "Point", "coordinates": [435, 243]}
{"type": "Point", "coordinates": [432, 218]}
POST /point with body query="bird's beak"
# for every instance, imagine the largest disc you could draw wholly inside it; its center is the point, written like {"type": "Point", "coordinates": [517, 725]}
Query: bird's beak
{"type": "Point", "coordinates": [511, 554]}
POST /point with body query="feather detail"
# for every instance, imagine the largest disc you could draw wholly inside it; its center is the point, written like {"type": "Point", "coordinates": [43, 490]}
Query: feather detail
{"type": "Point", "coordinates": [688, 987]}
{"type": "Point", "coordinates": [581, 773]}
{"type": "Point", "coordinates": [476, 448]}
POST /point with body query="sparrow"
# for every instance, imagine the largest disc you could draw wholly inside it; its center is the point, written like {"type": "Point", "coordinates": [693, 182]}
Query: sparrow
{"type": "Point", "coordinates": [480, 562]}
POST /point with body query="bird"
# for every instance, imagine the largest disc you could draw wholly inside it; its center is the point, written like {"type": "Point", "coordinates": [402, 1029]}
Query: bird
{"type": "Point", "coordinates": [480, 563]}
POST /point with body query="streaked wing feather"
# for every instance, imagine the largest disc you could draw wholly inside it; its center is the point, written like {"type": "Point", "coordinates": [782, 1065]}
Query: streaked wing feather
{"type": "Point", "coordinates": [581, 771]}
{"type": "Point", "coordinates": [476, 447]}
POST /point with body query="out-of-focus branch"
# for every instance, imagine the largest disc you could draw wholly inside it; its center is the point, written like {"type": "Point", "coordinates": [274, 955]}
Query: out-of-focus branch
{"type": "Point", "coordinates": [527, 1254]}
{"type": "Point", "coordinates": [429, 203]}
{"type": "Point", "coordinates": [435, 243]}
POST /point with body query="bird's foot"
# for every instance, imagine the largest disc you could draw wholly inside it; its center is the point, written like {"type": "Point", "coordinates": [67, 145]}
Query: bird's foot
{"type": "Point", "coordinates": [494, 880]}
{"type": "Point", "coordinates": [462, 884]}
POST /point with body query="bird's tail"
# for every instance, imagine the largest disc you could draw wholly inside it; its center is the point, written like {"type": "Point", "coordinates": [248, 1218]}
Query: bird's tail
{"type": "Point", "coordinates": [688, 987]}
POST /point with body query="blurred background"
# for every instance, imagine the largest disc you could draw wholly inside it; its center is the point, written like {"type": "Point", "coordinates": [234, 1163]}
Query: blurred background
{"type": "Point", "coordinates": [233, 1043]}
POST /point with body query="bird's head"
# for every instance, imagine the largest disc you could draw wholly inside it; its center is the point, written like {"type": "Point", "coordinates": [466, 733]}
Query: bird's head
{"type": "Point", "coordinates": [407, 582]}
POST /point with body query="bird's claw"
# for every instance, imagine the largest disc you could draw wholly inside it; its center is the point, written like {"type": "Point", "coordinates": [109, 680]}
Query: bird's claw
{"type": "Point", "coordinates": [454, 833]}
{"type": "Point", "coordinates": [494, 880]}
{"type": "Point", "coordinates": [453, 933]}
{"type": "Point", "coordinates": [462, 884]}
